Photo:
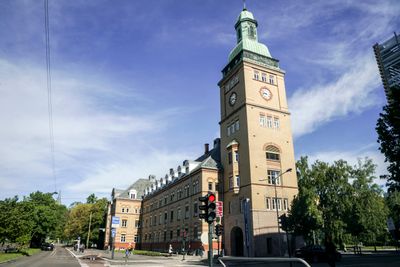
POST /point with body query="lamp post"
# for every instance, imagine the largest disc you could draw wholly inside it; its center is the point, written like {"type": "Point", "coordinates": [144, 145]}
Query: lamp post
{"type": "Point", "coordinates": [276, 207]}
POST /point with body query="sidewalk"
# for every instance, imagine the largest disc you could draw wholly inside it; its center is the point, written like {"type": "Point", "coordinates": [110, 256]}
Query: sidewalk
{"type": "Point", "coordinates": [120, 260]}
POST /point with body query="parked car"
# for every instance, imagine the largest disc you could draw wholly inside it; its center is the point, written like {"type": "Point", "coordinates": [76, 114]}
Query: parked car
{"type": "Point", "coordinates": [47, 246]}
{"type": "Point", "coordinates": [315, 253]}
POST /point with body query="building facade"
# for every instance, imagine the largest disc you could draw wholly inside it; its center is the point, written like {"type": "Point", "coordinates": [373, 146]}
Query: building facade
{"type": "Point", "coordinates": [256, 146]}
{"type": "Point", "coordinates": [248, 168]}
{"type": "Point", "coordinates": [387, 57]}
{"type": "Point", "coordinates": [127, 206]}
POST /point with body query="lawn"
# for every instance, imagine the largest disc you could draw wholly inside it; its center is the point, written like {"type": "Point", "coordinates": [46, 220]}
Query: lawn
{"type": "Point", "coordinates": [11, 256]}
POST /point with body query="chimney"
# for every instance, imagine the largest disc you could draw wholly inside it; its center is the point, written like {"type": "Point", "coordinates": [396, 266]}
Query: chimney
{"type": "Point", "coordinates": [206, 148]}
{"type": "Point", "coordinates": [216, 142]}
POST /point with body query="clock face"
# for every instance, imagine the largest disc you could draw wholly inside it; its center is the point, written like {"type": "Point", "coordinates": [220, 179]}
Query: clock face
{"type": "Point", "coordinates": [232, 99]}
{"type": "Point", "coordinates": [266, 93]}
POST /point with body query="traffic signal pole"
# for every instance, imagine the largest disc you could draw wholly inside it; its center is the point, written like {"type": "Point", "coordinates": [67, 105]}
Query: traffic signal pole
{"type": "Point", "coordinates": [210, 248]}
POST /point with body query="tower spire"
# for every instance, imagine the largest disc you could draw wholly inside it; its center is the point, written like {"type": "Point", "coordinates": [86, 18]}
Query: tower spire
{"type": "Point", "coordinates": [244, 5]}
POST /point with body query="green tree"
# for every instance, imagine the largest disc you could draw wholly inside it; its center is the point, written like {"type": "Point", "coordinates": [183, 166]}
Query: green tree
{"type": "Point", "coordinates": [91, 199]}
{"type": "Point", "coordinates": [47, 216]}
{"type": "Point", "coordinates": [79, 215]}
{"type": "Point", "coordinates": [388, 129]}
{"type": "Point", "coordinates": [367, 219]}
{"type": "Point", "coordinates": [304, 216]}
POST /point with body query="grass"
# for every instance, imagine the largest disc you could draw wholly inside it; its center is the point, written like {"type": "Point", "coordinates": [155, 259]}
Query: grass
{"type": "Point", "coordinates": [14, 255]}
{"type": "Point", "coordinates": [9, 256]}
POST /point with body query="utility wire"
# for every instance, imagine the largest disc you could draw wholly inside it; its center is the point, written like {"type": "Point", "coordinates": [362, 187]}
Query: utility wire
{"type": "Point", "coordinates": [49, 97]}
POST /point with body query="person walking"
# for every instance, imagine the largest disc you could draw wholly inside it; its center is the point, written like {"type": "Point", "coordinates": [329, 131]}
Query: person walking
{"type": "Point", "coordinates": [170, 250]}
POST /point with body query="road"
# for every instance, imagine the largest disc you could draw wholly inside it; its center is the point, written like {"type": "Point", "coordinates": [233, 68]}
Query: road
{"type": "Point", "coordinates": [59, 257]}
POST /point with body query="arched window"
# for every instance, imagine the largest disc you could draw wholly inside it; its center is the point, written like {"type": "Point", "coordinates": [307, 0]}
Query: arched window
{"type": "Point", "coordinates": [272, 153]}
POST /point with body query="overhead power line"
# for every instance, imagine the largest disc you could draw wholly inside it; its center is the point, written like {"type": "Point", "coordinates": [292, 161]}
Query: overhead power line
{"type": "Point", "coordinates": [49, 92]}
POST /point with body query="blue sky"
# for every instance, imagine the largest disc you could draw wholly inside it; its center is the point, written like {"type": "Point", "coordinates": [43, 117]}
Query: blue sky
{"type": "Point", "coordinates": [135, 84]}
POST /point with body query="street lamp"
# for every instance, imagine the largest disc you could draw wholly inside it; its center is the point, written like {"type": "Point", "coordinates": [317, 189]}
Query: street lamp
{"type": "Point", "coordinates": [276, 206]}
{"type": "Point", "coordinates": [275, 178]}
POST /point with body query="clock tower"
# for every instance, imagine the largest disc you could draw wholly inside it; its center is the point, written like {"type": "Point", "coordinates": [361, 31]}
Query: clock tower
{"type": "Point", "coordinates": [256, 146]}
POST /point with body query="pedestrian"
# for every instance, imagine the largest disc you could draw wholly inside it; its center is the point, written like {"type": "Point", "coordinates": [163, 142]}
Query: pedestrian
{"type": "Point", "coordinates": [201, 251]}
{"type": "Point", "coordinates": [126, 254]}
{"type": "Point", "coordinates": [82, 248]}
{"type": "Point", "coordinates": [170, 250]}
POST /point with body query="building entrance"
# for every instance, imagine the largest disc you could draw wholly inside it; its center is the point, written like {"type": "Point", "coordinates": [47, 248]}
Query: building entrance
{"type": "Point", "coordinates": [236, 241]}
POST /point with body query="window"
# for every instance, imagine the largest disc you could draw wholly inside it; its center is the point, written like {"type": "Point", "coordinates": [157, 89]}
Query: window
{"type": "Point", "coordinates": [166, 217]}
{"type": "Point", "coordinates": [171, 217]}
{"type": "Point", "coordinates": [230, 182]}
{"type": "Point", "coordinates": [285, 204]}
{"type": "Point", "coordinates": [137, 223]}
{"type": "Point", "coordinates": [127, 210]}
{"type": "Point", "coordinates": [234, 127]}
{"type": "Point", "coordinates": [195, 233]}
{"type": "Point", "coordinates": [124, 222]}
{"type": "Point", "coordinates": [236, 155]}
{"type": "Point", "coordinates": [178, 232]}
{"type": "Point", "coordinates": [262, 120]}
{"type": "Point", "coordinates": [268, 203]}
{"type": "Point", "coordinates": [165, 200]}
{"type": "Point", "coordinates": [230, 157]}
{"type": "Point", "coordinates": [256, 76]}
{"type": "Point", "coordinates": [195, 209]}
{"type": "Point", "coordinates": [273, 176]}
{"type": "Point", "coordinates": [160, 220]}
{"type": "Point", "coordinates": [171, 234]}
{"type": "Point", "coordinates": [178, 216]}
{"type": "Point", "coordinates": [123, 237]}
{"type": "Point", "coordinates": [277, 203]}
{"type": "Point", "coordinates": [269, 245]}
{"type": "Point", "coordinates": [263, 77]}
{"type": "Point", "coordinates": [123, 210]}
{"type": "Point", "coordinates": [133, 196]}
{"type": "Point", "coordinates": [210, 186]}
{"type": "Point", "coordinates": [238, 180]}
{"type": "Point", "coordinates": [276, 123]}
{"type": "Point", "coordinates": [272, 156]}
{"type": "Point", "coordinates": [271, 79]}
{"type": "Point", "coordinates": [186, 212]}
{"type": "Point", "coordinates": [269, 121]}
{"type": "Point", "coordinates": [135, 239]}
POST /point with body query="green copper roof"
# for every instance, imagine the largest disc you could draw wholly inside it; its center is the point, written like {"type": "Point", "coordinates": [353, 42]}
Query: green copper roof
{"type": "Point", "coordinates": [250, 45]}
{"type": "Point", "coordinates": [245, 15]}
{"type": "Point", "coordinates": [247, 39]}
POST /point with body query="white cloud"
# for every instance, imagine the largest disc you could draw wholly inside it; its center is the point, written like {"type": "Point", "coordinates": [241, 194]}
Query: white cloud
{"type": "Point", "coordinates": [90, 140]}
{"type": "Point", "coordinates": [351, 93]}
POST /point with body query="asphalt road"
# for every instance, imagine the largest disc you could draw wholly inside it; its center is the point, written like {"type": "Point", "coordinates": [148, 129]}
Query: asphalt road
{"type": "Point", "coordinates": [59, 257]}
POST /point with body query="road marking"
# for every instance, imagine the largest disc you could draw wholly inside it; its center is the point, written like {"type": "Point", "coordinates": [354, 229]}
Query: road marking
{"type": "Point", "coordinates": [53, 252]}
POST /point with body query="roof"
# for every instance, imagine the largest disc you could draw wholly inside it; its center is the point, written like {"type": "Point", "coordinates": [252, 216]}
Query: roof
{"type": "Point", "coordinates": [250, 44]}
{"type": "Point", "coordinates": [211, 160]}
{"type": "Point", "coordinates": [140, 185]}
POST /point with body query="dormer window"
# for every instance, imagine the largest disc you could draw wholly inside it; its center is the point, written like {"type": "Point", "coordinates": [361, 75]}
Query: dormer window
{"type": "Point", "coordinates": [132, 194]}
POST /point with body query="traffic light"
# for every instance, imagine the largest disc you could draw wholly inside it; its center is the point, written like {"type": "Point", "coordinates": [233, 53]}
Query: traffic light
{"type": "Point", "coordinates": [283, 222]}
{"type": "Point", "coordinates": [208, 207]}
{"type": "Point", "coordinates": [219, 229]}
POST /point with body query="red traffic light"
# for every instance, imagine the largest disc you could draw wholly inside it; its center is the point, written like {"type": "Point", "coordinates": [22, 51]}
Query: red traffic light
{"type": "Point", "coordinates": [211, 198]}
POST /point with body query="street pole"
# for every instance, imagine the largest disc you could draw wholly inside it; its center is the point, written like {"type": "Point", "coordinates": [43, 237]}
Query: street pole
{"type": "Point", "coordinates": [88, 235]}
{"type": "Point", "coordinates": [112, 246]}
{"type": "Point", "coordinates": [277, 210]}
{"type": "Point", "coordinates": [277, 215]}
{"type": "Point", "coordinates": [210, 248]}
